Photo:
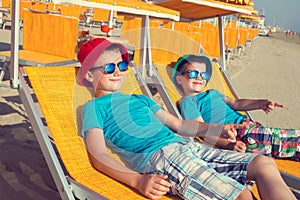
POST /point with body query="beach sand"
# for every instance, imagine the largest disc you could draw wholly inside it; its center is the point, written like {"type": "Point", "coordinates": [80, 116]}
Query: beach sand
{"type": "Point", "coordinates": [268, 69]}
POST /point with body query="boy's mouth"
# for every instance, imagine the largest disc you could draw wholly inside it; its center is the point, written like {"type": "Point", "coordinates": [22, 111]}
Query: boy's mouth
{"type": "Point", "coordinates": [198, 82]}
{"type": "Point", "coordinates": [115, 79]}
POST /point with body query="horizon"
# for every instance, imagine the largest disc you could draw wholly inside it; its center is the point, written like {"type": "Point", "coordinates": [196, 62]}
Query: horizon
{"type": "Point", "coordinates": [286, 19]}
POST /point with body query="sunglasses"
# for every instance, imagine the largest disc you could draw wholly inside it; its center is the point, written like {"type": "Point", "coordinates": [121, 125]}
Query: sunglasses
{"type": "Point", "coordinates": [110, 68]}
{"type": "Point", "coordinates": [194, 74]}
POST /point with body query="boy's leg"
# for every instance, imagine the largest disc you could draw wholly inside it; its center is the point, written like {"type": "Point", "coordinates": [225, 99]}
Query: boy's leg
{"type": "Point", "coordinates": [193, 176]}
{"type": "Point", "coordinates": [270, 184]}
{"type": "Point", "coordinates": [245, 194]}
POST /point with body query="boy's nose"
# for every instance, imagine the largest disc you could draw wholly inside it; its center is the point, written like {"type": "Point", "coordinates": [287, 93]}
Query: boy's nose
{"type": "Point", "coordinates": [199, 77]}
{"type": "Point", "coordinates": [117, 71]}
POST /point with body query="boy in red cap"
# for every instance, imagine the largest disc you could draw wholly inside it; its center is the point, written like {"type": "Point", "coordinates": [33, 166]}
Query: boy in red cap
{"type": "Point", "coordinates": [157, 161]}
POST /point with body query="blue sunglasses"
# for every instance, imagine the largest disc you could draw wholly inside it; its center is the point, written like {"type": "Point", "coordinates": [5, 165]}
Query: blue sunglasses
{"type": "Point", "coordinates": [110, 68]}
{"type": "Point", "coordinates": [194, 74]}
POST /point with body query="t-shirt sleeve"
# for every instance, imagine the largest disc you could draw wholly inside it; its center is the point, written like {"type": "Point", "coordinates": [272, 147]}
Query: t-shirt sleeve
{"type": "Point", "coordinates": [189, 109]}
{"type": "Point", "coordinates": [217, 93]}
{"type": "Point", "coordinates": [89, 117]}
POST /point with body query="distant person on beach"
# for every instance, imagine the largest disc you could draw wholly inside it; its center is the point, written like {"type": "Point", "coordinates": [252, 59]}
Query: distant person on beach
{"type": "Point", "coordinates": [191, 73]}
{"type": "Point", "coordinates": [157, 161]}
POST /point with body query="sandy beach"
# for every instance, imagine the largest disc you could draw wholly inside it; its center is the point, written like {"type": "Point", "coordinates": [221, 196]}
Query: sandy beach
{"type": "Point", "coordinates": [270, 69]}
{"type": "Point", "coordinates": [24, 172]}
{"type": "Point", "coordinates": [267, 69]}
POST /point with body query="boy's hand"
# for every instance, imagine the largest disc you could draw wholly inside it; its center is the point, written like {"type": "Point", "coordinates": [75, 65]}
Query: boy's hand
{"type": "Point", "coordinates": [154, 186]}
{"type": "Point", "coordinates": [269, 106]}
{"type": "Point", "coordinates": [229, 131]}
{"type": "Point", "coordinates": [239, 146]}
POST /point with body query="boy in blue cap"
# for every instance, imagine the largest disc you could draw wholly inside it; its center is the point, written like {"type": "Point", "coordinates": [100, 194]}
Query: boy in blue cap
{"type": "Point", "coordinates": [157, 161]}
{"type": "Point", "coordinates": [191, 73]}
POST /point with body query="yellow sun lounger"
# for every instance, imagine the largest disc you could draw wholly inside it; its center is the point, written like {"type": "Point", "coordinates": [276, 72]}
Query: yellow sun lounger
{"type": "Point", "coordinates": [60, 99]}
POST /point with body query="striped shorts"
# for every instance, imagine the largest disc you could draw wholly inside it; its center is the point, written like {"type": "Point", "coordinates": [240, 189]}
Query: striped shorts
{"type": "Point", "coordinates": [199, 172]}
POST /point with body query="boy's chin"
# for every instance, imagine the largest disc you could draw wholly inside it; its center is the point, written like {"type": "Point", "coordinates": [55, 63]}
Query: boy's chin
{"type": "Point", "coordinates": [116, 88]}
{"type": "Point", "coordinates": [198, 90]}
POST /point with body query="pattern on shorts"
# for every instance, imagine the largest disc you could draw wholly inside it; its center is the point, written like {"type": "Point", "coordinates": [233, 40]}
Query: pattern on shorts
{"type": "Point", "coordinates": [272, 142]}
{"type": "Point", "coordinates": [197, 172]}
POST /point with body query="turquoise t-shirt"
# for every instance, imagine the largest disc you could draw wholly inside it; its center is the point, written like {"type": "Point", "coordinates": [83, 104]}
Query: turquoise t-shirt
{"type": "Point", "coordinates": [130, 127]}
{"type": "Point", "coordinates": [211, 107]}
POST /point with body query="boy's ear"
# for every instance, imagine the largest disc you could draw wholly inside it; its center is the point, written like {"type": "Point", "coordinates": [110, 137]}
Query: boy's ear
{"type": "Point", "coordinates": [178, 79]}
{"type": "Point", "coordinates": [89, 77]}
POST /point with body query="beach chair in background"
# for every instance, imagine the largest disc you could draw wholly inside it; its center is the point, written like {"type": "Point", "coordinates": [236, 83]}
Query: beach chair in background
{"type": "Point", "coordinates": [5, 3]}
{"type": "Point", "coordinates": [48, 40]}
{"type": "Point", "coordinates": [231, 42]}
{"type": "Point", "coordinates": [253, 33]}
{"type": "Point", "coordinates": [6, 10]}
{"type": "Point", "coordinates": [242, 39]}
{"type": "Point", "coordinates": [69, 10]}
{"type": "Point", "coordinates": [213, 43]}
{"type": "Point", "coordinates": [25, 4]}
{"type": "Point", "coordinates": [98, 18]}
{"type": "Point", "coordinates": [38, 6]}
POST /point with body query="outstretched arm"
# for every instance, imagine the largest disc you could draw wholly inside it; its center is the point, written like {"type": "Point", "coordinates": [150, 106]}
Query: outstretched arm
{"type": "Point", "coordinates": [252, 104]}
{"type": "Point", "coordinates": [152, 186]}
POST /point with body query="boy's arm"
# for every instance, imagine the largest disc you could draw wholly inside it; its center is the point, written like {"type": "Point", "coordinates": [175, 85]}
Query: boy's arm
{"type": "Point", "coordinates": [193, 128]}
{"type": "Point", "coordinates": [222, 142]}
{"type": "Point", "coordinates": [252, 104]}
{"type": "Point", "coordinates": [151, 185]}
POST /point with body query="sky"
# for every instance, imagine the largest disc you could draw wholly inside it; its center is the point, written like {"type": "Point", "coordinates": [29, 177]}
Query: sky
{"type": "Point", "coordinates": [282, 13]}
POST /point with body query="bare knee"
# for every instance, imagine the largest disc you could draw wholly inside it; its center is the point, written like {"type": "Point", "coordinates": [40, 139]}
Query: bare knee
{"type": "Point", "coordinates": [260, 165]}
{"type": "Point", "coordinates": [263, 161]}
{"type": "Point", "coordinates": [245, 194]}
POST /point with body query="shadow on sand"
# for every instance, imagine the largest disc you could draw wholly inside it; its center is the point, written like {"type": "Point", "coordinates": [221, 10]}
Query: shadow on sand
{"type": "Point", "coordinates": [24, 172]}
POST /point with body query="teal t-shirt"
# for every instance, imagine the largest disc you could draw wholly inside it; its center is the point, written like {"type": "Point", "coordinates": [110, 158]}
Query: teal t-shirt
{"type": "Point", "coordinates": [211, 107]}
{"type": "Point", "coordinates": [130, 127]}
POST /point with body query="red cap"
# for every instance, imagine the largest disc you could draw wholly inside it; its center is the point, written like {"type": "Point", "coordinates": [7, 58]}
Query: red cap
{"type": "Point", "coordinates": [90, 52]}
